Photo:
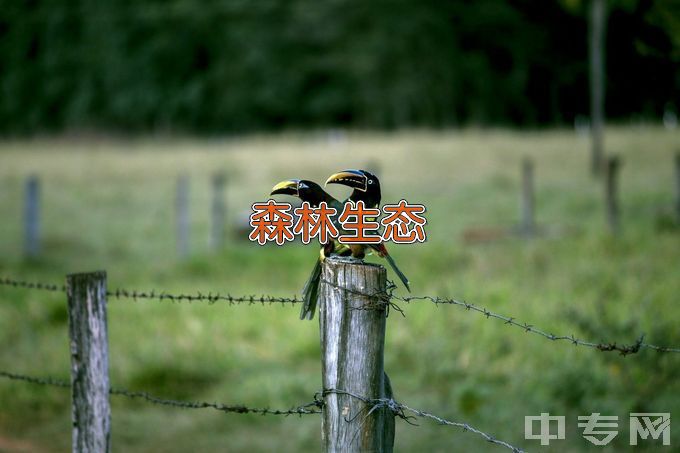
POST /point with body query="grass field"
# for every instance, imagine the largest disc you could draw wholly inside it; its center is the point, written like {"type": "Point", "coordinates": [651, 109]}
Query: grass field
{"type": "Point", "coordinates": [108, 204]}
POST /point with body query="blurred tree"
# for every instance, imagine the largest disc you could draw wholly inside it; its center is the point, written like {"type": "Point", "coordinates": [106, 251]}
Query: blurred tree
{"type": "Point", "coordinates": [597, 31]}
{"type": "Point", "coordinates": [216, 66]}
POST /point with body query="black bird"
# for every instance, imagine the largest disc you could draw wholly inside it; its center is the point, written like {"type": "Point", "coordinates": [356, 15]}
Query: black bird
{"type": "Point", "coordinates": [313, 194]}
{"type": "Point", "coordinates": [366, 187]}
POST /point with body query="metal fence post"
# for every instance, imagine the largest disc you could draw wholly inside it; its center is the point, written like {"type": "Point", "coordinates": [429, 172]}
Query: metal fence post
{"type": "Point", "coordinates": [32, 217]}
{"type": "Point", "coordinates": [182, 213]}
{"type": "Point", "coordinates": [217, 211]}
{"type": "Point", "coordinates": [91, 413]}
{"type": "Point", "coordinates": [352, 325]}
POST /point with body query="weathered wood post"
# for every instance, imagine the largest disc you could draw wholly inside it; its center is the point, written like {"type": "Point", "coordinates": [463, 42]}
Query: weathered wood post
{"type": "Point", "coordinates": [528, 225]}
{"type": "Point", "coordinates": [32, 217]}
{"type": "Point", "coordinates": [182, 213]}
{"type": "Point", "coordinates": [352, 327]}
{"type": "Point", "coordinates": [217, 211]}
{"type": "Point", "coordinates": [677, 186]}
{"type": "Point", "coordinates": [611, 193]}
{"type": "Point", "coordinates": [91, 413]}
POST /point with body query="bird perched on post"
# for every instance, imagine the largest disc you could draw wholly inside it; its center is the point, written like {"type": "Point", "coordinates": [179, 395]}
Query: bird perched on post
{"type": "Point", "coordinates": [366, 189]}
{"type": "Point", "coordinates": [312, 193]}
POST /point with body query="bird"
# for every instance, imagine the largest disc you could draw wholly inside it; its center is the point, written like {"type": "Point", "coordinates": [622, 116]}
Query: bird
{"type": "Point", "coordinates": [313, 194]}
{"type": "Point", "coordinates": [366, 188]}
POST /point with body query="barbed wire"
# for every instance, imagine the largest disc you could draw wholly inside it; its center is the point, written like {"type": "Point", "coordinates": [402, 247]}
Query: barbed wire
{"type": "Point", "coordinates": [120, 293]}
{"type": "Point", "coordinates": [35, 380]}
{"type": "Point", "coordinates": [31, 285]}
{"type": "Point", "coordinates": [400, 410]}
{"type": "Point", "coordinates": [211, 298]}
{"type": "Point", "coordinates": [314, 407]}
{"type": "Point", "coordinates": [377, 300]}
{"type": "Point", "coordinates": [623, 349]}
{"type": "Point", "coordinates": [309, 408]}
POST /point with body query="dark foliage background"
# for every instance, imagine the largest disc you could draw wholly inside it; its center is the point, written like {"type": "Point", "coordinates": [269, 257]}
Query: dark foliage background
{"type": "Point", "coordinates": [213, 66]}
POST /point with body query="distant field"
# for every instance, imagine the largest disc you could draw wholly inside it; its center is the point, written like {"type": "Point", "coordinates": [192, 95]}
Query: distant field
{"type": "Point", "coordinates": [108, 204]}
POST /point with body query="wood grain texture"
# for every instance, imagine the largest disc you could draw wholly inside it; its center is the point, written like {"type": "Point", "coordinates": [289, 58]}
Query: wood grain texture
{"type": "Point", "coordinates": [352, 346]}
{"type": "Point", "coordinates": [91, 413]}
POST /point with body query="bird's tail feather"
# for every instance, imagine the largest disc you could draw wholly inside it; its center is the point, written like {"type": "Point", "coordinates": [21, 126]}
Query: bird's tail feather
{"type": "Point", "coordinates": [399, 273]}
{"type": "Point", "coordinates": [310, 292]}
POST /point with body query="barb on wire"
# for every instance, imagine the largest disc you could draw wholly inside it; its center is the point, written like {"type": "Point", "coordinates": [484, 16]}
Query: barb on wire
{"type": "Point", "coordinates": [31, 285]}
{"type": "Point", "coordinates": [623, 349]}
{"type": "Point", "coordinates": [400, 410]}
{"type": "Point", "coordinates": [378, 300]}
{"type": "Point", "coordinates": [311, 408]}
{"type": "Point", "coordinates": [211, 298]}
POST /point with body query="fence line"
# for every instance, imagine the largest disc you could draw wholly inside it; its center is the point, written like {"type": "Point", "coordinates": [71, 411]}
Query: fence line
{"type": "Point", "coordinates": [400, 410]}
{"type": "Point", "coordinates": [315, 407]}
{"type": "Point", "coordinates": [31, 285]}
{"type": "Point", "coordinates": [381, 300]}
{"type": "Point", "coordinates": [605, 346]}
{"type": "Point", "coordinates": [237, 409]}
{"type": "Point", "coordinates": [120, 293]}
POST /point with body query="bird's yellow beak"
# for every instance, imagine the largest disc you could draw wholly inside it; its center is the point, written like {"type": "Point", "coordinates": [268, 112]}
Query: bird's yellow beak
{"type": "Point", "coordinates": [351, 178]}
{"type": "Point", "coordinates": [287, 187]}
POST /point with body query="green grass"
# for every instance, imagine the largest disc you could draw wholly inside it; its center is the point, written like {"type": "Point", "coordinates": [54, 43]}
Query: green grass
{"type": "Point", "coordinates": [108, 204]}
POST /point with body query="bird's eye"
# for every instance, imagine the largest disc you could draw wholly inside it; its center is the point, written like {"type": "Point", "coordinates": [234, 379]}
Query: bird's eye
{"type": "Point", "coordinates": [302, 185]}
{"type": "Point", "coordinates": [370, 181]}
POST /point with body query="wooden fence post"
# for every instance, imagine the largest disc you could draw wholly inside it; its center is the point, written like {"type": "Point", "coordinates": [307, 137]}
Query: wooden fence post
{"type": "Point", "coordinates": [352, 345]}
{"type": "Point", "coordinates": [32, 217]}
{"type": "Point", "coordinates": [217, 211]}
{"type": "Point", "coordinates": [677, 186]}
{"type": "Point", "coordinates": [91, 413]}
{"type": "Point", "coordinates": [611, 193]}
{"type": "Point", "coordinates": [182, 213]}
{"type": "Point", "coordinates": [528, 226]}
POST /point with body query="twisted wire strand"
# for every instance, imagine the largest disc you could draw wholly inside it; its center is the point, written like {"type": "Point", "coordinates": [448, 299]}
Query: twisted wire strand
{"type": "Point", "coordinates": [623, 349]}
{"type": "Point", "coordinates": [400, 410]}
{"type": "Point", "coordinates": [380, 300]}
{"type": "Point", "coordinates": [121, 293]}
{"type": "Point", "coordinates": [305, 409]}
